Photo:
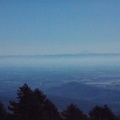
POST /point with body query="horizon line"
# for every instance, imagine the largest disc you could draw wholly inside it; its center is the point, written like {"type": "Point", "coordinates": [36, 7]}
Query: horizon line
{"type": "Point", "coordinates": [60, 54]}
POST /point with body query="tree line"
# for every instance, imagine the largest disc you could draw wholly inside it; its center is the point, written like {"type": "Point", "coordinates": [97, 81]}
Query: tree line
{"type": "Point", "coordinates": [34, 105]}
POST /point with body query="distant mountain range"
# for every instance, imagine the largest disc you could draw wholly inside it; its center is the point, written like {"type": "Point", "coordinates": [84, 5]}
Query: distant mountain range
{"type": "Point", "coordinates": [65, 55]}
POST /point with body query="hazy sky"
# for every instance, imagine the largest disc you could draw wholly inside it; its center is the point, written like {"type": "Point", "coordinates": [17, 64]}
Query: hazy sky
{"type": "Point", "coordinates": [59, 26]}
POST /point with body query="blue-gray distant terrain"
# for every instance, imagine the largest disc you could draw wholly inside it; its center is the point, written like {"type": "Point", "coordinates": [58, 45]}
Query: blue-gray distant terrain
{"type": "Point", "coordinates": [83, 79]}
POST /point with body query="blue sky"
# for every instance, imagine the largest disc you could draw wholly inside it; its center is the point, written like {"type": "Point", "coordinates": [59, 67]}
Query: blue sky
{"type": "Point", "coordinates": [30, 27]}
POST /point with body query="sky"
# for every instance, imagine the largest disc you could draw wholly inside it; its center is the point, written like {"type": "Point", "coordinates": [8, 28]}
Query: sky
{"type": "Point", "coordinates": [37, 27]}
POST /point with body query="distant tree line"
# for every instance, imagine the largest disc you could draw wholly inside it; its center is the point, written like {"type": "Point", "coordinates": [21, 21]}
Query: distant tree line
{"type": "Point", "coordinates": [34, 105]}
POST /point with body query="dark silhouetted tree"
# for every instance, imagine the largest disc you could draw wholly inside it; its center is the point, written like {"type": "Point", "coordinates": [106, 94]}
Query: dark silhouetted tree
{"type": "Point", "coordinates": [32, 105]}
{"type": "Point", "coordinates": [118, 117]}
{"type": "Point", "coordinates": [73, 113]}
{"type": "Point", "coordinates": [3, 112]}
{"type": "Point", "coordinates": [102, 113]}
{"type": "Point", "coordinates": [21, 109]}
{"type": "Point", "coordinates": [51, 111]}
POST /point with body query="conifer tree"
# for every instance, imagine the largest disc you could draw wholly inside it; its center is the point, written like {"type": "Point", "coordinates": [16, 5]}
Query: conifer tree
{"type": "Point", "coordinates": [21, 109]}
{"type": "Point", "coordinates": [3, 112]}
{"type": "Point", "coordinates": [102, 113]}
{"type": "Point", "coordinates": [51, 111]}
{"type": "Point", "coordinates": [72, 112]}
{"type": "Point", "coordinates": [32, 105]}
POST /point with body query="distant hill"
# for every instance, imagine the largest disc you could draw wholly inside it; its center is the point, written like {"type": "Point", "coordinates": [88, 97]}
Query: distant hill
{"type": "Point", "coordinates": [84, 95]}
{"type": "Point", "coordinates": [62, 103]}
{"type": "Point", "coordinates": [84, 105]}
{"type": "Point", "coordinates": [81, 91]}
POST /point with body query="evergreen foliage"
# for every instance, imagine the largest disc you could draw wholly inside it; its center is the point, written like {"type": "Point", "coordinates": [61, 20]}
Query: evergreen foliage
{"type": "Point", "coordinates": [3, 112]}
{"type": "Point", "coordinates": [73, 113]}
{"type": "Point", "coordinates": [34, 105]}
{"type": "Point", "coordinates": [102, 113]}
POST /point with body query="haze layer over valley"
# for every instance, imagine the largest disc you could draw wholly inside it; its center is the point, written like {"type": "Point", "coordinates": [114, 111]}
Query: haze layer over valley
{"type": "Point", "coordinates": [92, 78]}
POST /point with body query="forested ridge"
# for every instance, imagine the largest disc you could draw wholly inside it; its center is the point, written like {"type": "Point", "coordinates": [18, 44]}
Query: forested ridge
{"type": "Point", "coordinates": [34, 105]}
